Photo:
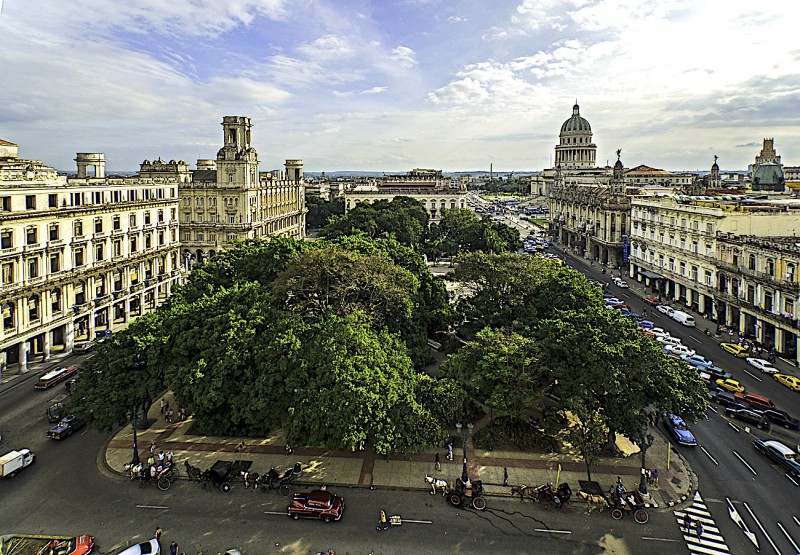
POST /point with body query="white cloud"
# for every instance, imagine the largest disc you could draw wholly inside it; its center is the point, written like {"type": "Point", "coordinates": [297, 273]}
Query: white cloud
{"type": "Point", "coordinates": [373, 90]}
{"type": "Point", "coordinates": [404, 56]}
{"type": "Point", "coordinates": [328, 47]}
{"type": "Point", "coordinates": [457, 19]}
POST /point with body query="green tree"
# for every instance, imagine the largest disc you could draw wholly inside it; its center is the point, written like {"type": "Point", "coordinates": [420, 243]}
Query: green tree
{"type": "Point", "coordinates": [403, 217]}
{"type": "Point", "coordinates": [588, 432]}
{"type": "Point", "coordinates": [321, 211]}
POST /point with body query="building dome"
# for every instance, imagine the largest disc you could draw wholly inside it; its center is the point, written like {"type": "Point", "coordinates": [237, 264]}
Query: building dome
{"type": "Point", "coordinates": [576, 123]}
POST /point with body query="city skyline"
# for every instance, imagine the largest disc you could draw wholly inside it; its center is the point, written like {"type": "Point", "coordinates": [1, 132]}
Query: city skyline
{"type": "Point", "coordinates": [419, 83]}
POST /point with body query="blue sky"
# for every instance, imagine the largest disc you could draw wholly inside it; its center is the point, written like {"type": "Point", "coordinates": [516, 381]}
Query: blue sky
{"type": "Point", "coordinates": [396, 84]}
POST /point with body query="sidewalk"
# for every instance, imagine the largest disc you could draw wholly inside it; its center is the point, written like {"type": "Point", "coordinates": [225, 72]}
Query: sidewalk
{"type": "Point", "coordinates": [368, 470]}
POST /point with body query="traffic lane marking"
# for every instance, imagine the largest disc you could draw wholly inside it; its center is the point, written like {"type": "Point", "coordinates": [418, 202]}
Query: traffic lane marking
{"type": "Point", "coordinates": [788, 537]}
{"type": "Point", "coordinates": [746, 371]}
{"type": "Point", "coordinates": [744, 462]}
{"type": "Point", "coordinates": [709, 455]}
{"type": "Point", "coordinates": [792, 480]}
{"type": "Point", "coordinates": [151, 507]}
{"type": "Point", "coordinates": [769, 539]}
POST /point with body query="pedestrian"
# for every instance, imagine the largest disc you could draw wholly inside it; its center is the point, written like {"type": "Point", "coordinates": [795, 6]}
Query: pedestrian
{"type": "Point", "coordinates": [152, 447]}
{"type": "Point", "coordinates": [173, 548]}
{"type": "Point", "coordinates": [158, 536]}
{"type": "Point", "coordinates": [450, 451]}
{"type": "Point", "coordinates": [698, 526]}
{"type": "Point", "coordinates": [288, 450]}
{"type": "Point", "coordinates": [437, 463]}
{"type": "Point", "coordinates": [505, 476]}
{"type": "Point", "coordinates": [648, 475]}
{"type": "Point", "coordinates": [162, 406]}
{"type": "Point", "coordinates": [654, 476]}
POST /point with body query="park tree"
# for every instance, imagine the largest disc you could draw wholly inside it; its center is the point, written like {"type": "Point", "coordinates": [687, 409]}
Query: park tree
{"type": "Point", "coordinates": [321, 211]}
{"type": "Point", "coordinates": [461, 231]}
{"type": "Point", "coordinates": [403, 217]}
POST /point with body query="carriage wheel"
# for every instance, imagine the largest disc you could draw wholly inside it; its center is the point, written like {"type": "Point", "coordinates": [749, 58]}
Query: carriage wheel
{"type": "Point", "coordinates": [641, 516]}
{"type": "Point", "coordinates": [285, 490]}
{"type": "Point", "coordinates": [616, 514]}
{"type": "Point", "coordinates": [164, 484]}
{"type": "Point", "coordinates": [479, 503]}
{"type": "Point", "coordinates": [455, 499]}
{"type": "Point", "coordinates": [225, 487]}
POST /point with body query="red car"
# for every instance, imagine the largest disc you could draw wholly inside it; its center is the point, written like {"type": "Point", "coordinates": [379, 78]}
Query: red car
{"type": "Point", "coordinates": [319, 503]}
{"type": "Point", "coordinates": [81, 545]}
{"type": "Point", "coordinates": [651, 301]}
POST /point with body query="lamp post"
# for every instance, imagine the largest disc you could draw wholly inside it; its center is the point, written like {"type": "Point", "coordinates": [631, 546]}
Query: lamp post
{"type": "Point", "coordinates": [645, 441]}
{"type": "Point", "coordinates": [134, 414]}
{"type": "Point", "coordinates": [464, 432]}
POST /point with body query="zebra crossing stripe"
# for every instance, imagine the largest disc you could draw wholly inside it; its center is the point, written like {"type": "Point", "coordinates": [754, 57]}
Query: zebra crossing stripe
{"type": "Point", "coordinates": [711, 541]}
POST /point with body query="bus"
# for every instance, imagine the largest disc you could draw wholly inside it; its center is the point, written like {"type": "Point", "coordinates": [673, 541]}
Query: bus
{"type": "Point", "coordinates": [55, 376]}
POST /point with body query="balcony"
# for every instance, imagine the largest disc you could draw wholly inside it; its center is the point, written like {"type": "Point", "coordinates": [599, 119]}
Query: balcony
{"type": "Point", "coordinates": [784, 319]}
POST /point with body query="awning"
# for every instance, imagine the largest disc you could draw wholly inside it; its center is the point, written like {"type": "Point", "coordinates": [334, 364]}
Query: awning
{"type": "Point", "coordinates": [650, 275]}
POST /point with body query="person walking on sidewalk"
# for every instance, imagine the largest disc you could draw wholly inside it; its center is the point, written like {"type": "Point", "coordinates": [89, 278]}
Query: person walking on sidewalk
{"type": "Point", "coordinates": [450, 451]}
{"type": "Point", "coordinates": [173, 548]}
{"type": "Point", "coordinates": [437, 463]}
{"type": "Point", "coordinates": [654, 476]}
{"type": "Point", "coordinates": [505, 476]}
{"type": "Point", "coordinates": [158, 537]}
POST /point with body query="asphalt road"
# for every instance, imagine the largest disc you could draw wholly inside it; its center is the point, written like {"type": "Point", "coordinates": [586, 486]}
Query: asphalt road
{"type": "Point", "coordinates": [69, 491]}
{"type": "Point", "coordinates": [727, 465]}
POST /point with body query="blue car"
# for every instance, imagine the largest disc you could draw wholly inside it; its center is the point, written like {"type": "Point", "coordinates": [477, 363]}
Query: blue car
{"type": "Point", "coordinates": [680, 431]}
{"type": "Point", "coordinates": [698, 361]}
{"type": "Point", "coordinates": [646, 324]}
{"type": "Point", "coordinates": [630, 314]}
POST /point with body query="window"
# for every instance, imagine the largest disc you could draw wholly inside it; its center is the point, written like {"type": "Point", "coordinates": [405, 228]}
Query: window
{"type": "Point", "coordinates": [117, 277]}
{"type": "Point", "coordinates": [117, 248]}
{"type": "Point", "coordinates": [771, 267]}
{"type": "Point", "coordinates": [683, 222]}
{"type": "Point", "coordinates": [694, 273]}
{"type": "Point", "coordinates": [98, 252]}
{"type": "Point", "coordinates": [683, 268]}
{"type": "Point", "coordinates": [55, 300]}
{"type": "Point", "coordinates": [77, 228]}
{"type": "Point", "coordinates": [708, 277]}
{"type": "Point", "coordinates": [98, 225]}
{"type": "Point", "coordinates": [199, 235]}
{"type": "Point", "coordinates": [30, 202]}
{"type": "Point", "coordinates": [5, 204]}
{"type": "Point", "coordinates": [100, 287]}
{"type": "Point", "coordinates": [115, 223]}
{"type": "Point", "coordinates": [768, 300]}
{"type": "Point", "coordinates": [134, 245]}
{"type": "Point", "coordinates": [31, 236]}
{"type": "Point", "coordinates": [710, 229]}
{"type": "Point", "coordinates": [231, 219]}
{"type": "Point", "coordinates": [172, 213]}
{"type": "Point", "coordinates": [33, 268]}
{"type": "Point", "coordinates": [132, 220]}
{"type": "Point", "coordinates": [160, 238]}
{"type": "Point", "coordinates": [5, 240]}
{"type": "Point", "coordinates": [230, 178]}
{"type": "Point", "coordinates": [80, 293]}
{"type": "Point", "coordinates": [736, 260]}
{"type": "Point", "coordinates": [160, 216]}
{"type": "Point", "coordinates": [147, 217]}
{"type": "Point", "coordinates": [53, 232]}
{"type": "Point", "coordinates": [8, 273]}
{"type": "Point", "coordinates": [55, 263]}
{"type": "Point", "coordinates": [752, 262]}
{"type": "Point", "coordinates": [79, 261]}
{"type": "Point", "coordinates": [33, 308]}
{"type": "Point", "coordinates": [148, 240]}
{"type": "Point", "coordinates": [790, 270]}
{"type": "Point", "coordinates": [187, 236]}
{"type": "Point", "coordinates": [52, 201]}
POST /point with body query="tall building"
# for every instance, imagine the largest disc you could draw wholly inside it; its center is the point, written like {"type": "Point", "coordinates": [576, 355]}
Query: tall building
{"type": "Point", "coordinates": [767, 171]}
{"type": "Point", "coordinates": [227, 199]}
{"type": "Point", "coordinates": [79, 255]}
{"type": "Point", "coordinates": [575, 149]}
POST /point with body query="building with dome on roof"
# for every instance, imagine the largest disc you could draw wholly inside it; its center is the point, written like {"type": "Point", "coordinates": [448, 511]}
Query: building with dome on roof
{"type": "Point", "coordinates": [575, 148]}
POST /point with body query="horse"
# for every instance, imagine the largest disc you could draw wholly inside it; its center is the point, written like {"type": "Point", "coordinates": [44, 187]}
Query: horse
{"type": "Point", "coordinates": [133, 470]}
{"type": "Point", "coordinates": [523, 492]}
{"type": "Point", "coordinates": [435, 484]}
{"type": "Point", "coordinates": [192, 472]}
{"type": "Point", "coordinates": [593, 501]}
{"type": "Point", "coordinates": [250, 478]}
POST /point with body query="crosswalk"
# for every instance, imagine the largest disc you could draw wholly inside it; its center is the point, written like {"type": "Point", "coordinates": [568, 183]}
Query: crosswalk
{"type": "Point", "coordinates": [709, 542]}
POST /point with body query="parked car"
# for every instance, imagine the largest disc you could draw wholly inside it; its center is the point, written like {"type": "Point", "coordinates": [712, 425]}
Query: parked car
{"type": "Point", "coordinates": [678, 350]}
{"type": "Point", "coordinates": [763, 365]}
{"type": "Point", "coordinates": [755, 401]}
{"type": "Point", "coordinates": [698, 361]}
{"type": "Point", "coordinates": [319, 503]}
{"type": "Point", "coordinates": [150, 547]}
{"type": "Point", "coordinates": [645, 324]}
{"type": "Point", "coordinates": [736, 350]}
{"type": "Point", "coordinates": [782, 418]}
{"type": "Point", "coordinates": [620, 283]}
{"type": "Point", "coordinates": [630, 314]}
{"type": "Point", "coordinates": [789, 381]}
{"type": "Point", "coordinates": [82, 348]}
{"type": "Point", "coordinates": [679, 430]}
{"type": "Point", "coordinates": [730, 385]}
{"type": "Point", "coordinates": [725, 399]}
{"type": "Point", "coordinates": [668, 310]}
{"type": "Point", "coordinates": [718, 373]}
{"type": "Point", "coordinates": [682, 318]}
{"type": "Point", "coordinates": [66, 427]}
{"type": "Point", "coordinates": [748, 415]}
{"type": "Point", "coordinates": [781, 454]}
{"type": "Point", "coordinates": [669, 340]}
{"type": "Point", "coordinates": [652, 301]}
{"type": "Point", "coordinates": [79, 545]}
{"type": "Point", "coordinates": [613, 301]}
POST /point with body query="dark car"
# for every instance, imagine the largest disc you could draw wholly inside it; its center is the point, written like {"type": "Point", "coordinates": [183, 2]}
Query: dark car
{"type": "Point", "coordinates": [718, 373]}
{"type": "Point", "coordinates": [781, 454]}
{"type": "Point", "coordinates": [319, 503]}
{"type": "Point", "coordinates": [782, 418]}
{"type": "Point", "coordinates": [725, 399]}
{"type": "Point", "coordinates": [751, 416]}
{"type": "Point", "coordinates": [679, 430]}
{"type": "Point", "coordinates": [66, 427]}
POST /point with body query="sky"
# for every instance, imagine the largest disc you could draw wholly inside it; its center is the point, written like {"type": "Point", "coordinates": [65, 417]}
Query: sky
{"type": "Point", "coordinates": [391, 85]}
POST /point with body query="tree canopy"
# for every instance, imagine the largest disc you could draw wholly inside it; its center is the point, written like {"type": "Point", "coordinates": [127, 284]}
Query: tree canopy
{"type": "Point", "coordinates": [403, 217]}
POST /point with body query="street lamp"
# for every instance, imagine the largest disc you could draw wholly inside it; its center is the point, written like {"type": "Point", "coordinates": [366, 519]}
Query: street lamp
{"type": "Point", "coordinates": [464, 432]}
{"type": "Point", "coordinates": [645, 441]}
{"type": "Point", "coordinates": [135, 458]}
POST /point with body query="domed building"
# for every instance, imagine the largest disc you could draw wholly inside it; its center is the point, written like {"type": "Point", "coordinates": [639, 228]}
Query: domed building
{"type": "Point", "coordinates": [575, 149]}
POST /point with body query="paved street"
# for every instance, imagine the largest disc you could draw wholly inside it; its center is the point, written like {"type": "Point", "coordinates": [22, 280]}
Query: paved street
{"type": "Point", "coordinates": [726, 464]}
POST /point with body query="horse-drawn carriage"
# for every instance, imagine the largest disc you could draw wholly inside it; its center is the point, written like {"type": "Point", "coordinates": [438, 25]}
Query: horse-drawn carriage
{"type": "Point", "coordinates": [223, 473]}
{"type": "Point", "coordinates": [619, 501]}
{"type": "Point", "coordinates": [550, 496]}
{"type": "Point", "coordinates": [273, 480]}
{"type": "Point", "coordinates": [467, 493]}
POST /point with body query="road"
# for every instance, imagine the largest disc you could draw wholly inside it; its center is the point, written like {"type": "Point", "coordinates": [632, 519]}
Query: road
{"type": "Point", "coordinates": [727, 465]}
{"type": "Point", "coordinates": [70, 491]}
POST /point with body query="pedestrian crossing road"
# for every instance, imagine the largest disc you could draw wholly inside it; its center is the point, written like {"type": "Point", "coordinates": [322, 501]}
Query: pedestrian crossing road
{"type": "Point", "coordinates": [704, 538]}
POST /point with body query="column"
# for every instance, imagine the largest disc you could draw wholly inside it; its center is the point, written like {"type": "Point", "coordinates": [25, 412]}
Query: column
{"type": "Point", "coordinates": [3, 362]}
{"type": "Point", "coordinates": [779, 338]}
{"type": "Point", "coordinates": [46, 344]}
{"type": "Point", "coordinates": [741, 328]}
{"type": "Point", "coordinates": [70, 339]}
{"type": "Point", "coordinates": [701, 303]}
{"type": "Point", "coordinates": [23, 357]}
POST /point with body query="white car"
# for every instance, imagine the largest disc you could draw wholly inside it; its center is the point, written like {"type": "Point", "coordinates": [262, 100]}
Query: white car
{"type": "Point", "coordinates": [658, 331]}
{"type": "Point", "coordinates": [619, 283]}
{"type": "Point", "coordinates": [667, 339]}
{"type": "Point", "coordinates": [668, 310]}
{"type": "Point", "coordinates": [678, 350]}
{"type": "Point", "coordinates": [150, 547]}
{"type": "Point", "coordinates": [763, 365]}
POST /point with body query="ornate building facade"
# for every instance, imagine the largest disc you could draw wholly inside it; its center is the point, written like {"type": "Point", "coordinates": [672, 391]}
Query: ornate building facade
{"type": "Point", "coordinates": [79, 255]}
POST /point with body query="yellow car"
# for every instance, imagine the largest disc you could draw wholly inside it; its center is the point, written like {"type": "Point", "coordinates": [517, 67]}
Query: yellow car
{"type": "Point", "coordinates": [736, 350]}
{"type": "Point", "coordinates": [789, 381]}
{"type": "Point", "coordinates": [731, 385]}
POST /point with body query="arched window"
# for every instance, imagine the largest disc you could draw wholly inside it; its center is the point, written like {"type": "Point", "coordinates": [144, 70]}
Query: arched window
{"type": "Point", "coordinates": [771, 266]}
{"type": "Point", "coordinates": [752, 262]}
